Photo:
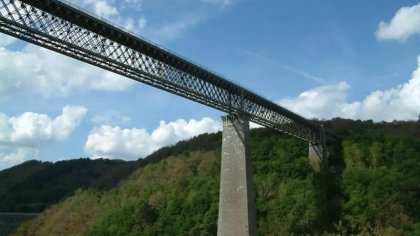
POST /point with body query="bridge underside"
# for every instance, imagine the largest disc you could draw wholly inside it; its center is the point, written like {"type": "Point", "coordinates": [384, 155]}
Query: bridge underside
{"type": "Point", "coordinates": [72, 32]}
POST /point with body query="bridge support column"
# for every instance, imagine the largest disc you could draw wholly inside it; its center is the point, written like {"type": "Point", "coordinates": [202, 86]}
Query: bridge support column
{"type": "Point", "coordinates": [318, 153]}
{"type": "Point", "coordinates": [237, 197]}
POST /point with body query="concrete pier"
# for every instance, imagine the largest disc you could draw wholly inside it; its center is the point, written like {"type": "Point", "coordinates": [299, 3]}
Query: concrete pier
{"type": "Point", "coordinates": [316, 157]}
{"type": "Point", "coordinates": [237, 196]}
{"type": "Point", "coordinates": [318, 153]}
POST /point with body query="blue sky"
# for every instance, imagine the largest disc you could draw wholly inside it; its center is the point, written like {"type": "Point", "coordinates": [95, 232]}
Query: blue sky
{"type": "Point", "coordinates": [323, 59]}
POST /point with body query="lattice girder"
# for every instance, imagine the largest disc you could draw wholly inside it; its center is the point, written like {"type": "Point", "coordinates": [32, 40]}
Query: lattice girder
{"type": "Point", "coordinates": [72, 32]}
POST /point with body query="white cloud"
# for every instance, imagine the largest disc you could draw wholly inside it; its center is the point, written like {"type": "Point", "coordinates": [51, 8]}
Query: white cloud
{"type": "Point", "coordinates": [142, 22]}
{"type": "Point", "coordinates": [18, 156]}
{"type": "Point", "coordinates": [38, 70]}
{"type": "Point", "coordinates": [269, 61]}
{"type": "Point", "coordinates": [101, 8]}
{"type": "Point", "coordinates": [222, 3]}
{"type": "Point", "coordinates": [21, 136]}
{"type": "Point", "coordinates": [116, 142]}
{"type": "Point", "coordinates": [171, 30]}
{"type": "Point", "coordinates": [133, 2]}
{"type": "Point", "coordinates": [33, 129]}
{"type": "Point", "coordinates": [6, 40]}
{"type": "Point", "coordinates": [403, 25]}
{"type": "Point", "coordinates": [176, 18]}
{"type": "Point", "coordinates": [253, 125]}
{"type": "Point", "coordinates": [109, 119]}
{"type": "Point", "coordinates": [320, 101]}
{"type": "Point", "coordinates": [401, 103]}
{"type": "Point", "coordinates": [116, 12]}
{"type": "Point", "coordinates": [104, 9]}
{"type": "Point", "coordinates": [14, 156]}
{"type": "Point", "coordinates": [129, 24]}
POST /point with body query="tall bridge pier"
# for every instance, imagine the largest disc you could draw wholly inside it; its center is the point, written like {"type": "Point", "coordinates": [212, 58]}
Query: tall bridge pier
{"type": "Point", "coordinates": [318, 152]}
{"type": "Point", "coordinates": [237, 195]}
{"type": "Point", "coordinates": [237, 211]}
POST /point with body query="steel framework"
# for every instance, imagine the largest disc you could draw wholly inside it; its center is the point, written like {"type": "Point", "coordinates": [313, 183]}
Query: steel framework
{"type": "Point", "coordinates": [73, 32]}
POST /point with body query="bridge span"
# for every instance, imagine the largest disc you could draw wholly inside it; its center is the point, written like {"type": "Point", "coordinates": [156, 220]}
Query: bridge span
{"type": "Point", "coordinates": [71, 31]}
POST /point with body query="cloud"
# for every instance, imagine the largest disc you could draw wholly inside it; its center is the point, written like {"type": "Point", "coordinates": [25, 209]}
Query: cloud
{"type": "Point", "coordinates": [101, 8]}
{"type": "Point", "coordinates": [142, 22]}
{"type": "Point", "coordinates": [117, 12]}
{"type": "Point", "coordinates": [21, 136]}
{"type": "Point", "coordinates": [133, 2]}
{"type": "Point", "coordinates": [320, 101]}
{"type": "Point", "coordinates": [134, 143]}
{"type": "Point", "coordinates": [15, 156]}
{"type": "Point", "coordinates": [168, 31]}
{"type": "Point", "coordinates": [400, 103]}
{"type": "Point", "coordinates": [275, 63]}
{"type": "Point", "coordinates": [6, 40]}
{"type": "Point", "coordinates": [38, 70]}
{"type": "Point", "coordinates": [178, 17]}
{"type": "Point", "coordinates": [222, 3]}
{"type": "Point", "coordinates": [111, 118]}
{"type": "Point", "coordinates": [253, 125]}
{"type": "Point", "coordinates": [404, 24]}
{"type": "Point", "coordinates": [173, 19]}
{"type": "Point", "coordinates": [33, 129]}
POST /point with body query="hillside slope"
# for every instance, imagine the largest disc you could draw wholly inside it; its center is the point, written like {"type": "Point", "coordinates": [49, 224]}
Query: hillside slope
{"type": "Point", "coordinates": [377, 192]}
{"type": "Point", "coordinates": [34, 185]}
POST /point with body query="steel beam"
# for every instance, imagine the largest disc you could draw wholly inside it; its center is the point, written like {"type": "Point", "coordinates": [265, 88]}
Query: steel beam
{"type": "Point", "coordinates": [73, 32]}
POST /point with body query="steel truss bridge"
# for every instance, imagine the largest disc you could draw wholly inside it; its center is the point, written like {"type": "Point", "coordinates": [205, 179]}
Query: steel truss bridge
{"type": "Point", "coordinates": [73, 32]}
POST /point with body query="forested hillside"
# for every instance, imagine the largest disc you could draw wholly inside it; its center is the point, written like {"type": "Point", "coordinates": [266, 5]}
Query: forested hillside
{"type": "Point", "coordinates": [377, 193]}
{"type": "Point", "coordinates": [35, 185]}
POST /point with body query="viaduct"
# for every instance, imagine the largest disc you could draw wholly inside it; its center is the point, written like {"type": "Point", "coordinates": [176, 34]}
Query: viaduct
{"type": "Point", "coordinates": [66, 29]}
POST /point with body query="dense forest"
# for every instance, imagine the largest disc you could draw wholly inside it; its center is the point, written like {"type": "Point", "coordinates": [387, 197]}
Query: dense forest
{"type": "Point", "coordinates": [34, 185]}
{"type": "Point", "coordinates": [375, 192]}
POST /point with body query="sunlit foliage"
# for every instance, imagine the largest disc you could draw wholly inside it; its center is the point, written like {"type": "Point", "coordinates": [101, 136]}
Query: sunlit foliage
{"type": "Point", "coordinates": [377, 192]}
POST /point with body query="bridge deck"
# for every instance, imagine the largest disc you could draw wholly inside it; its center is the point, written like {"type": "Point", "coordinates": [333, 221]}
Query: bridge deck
{"type": "Point", "coordinates": [73, 32]}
